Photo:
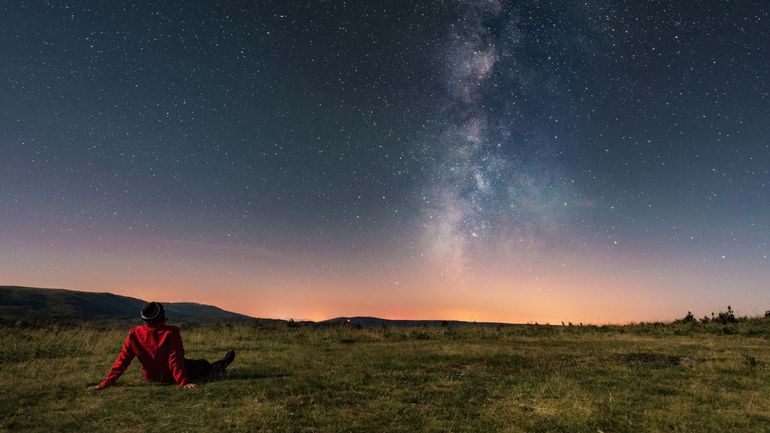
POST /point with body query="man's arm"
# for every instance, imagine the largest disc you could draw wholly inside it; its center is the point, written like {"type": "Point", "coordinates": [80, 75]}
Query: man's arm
{"type": "Point", "coordinates": [176, 359]}
{"type": "Point", "coordinates": [121, 364]}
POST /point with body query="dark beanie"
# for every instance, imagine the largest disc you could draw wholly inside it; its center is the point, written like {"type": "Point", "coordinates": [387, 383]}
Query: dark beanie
{"type": "Point", "coordinates": [153, 312]}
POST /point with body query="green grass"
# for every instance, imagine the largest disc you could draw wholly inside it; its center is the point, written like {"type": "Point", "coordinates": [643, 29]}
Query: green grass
{"type": "Point", "coordinates": [647, 378]}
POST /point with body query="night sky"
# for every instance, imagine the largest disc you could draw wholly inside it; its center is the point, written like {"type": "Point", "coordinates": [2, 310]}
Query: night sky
{"type": "Point", "coordinates": [522, 161]}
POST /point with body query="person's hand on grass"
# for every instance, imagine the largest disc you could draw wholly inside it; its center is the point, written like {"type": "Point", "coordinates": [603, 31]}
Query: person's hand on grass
{"type": "Point", "coordinates": [189, 386]}
{"type": "Point", "coordinates": [94, 388]}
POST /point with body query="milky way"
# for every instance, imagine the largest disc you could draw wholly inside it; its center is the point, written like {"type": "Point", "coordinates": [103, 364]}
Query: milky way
{"type": "Point", "coordinates": [485, 199]}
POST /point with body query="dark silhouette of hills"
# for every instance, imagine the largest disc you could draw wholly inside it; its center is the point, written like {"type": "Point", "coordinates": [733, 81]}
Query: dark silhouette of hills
{"type": "Point", "coordinates": [369, 322]}
{"type": "Point", "coordinates": [36, 305]}
{"type": "Point", "coordinates": [31, 305]}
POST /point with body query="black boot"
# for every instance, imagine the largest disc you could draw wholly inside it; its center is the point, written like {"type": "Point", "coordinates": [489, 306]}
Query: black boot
{"type": "Point", "coordinates": [229, 358]}
{"type": "Point", "coordinates": [218, 367]}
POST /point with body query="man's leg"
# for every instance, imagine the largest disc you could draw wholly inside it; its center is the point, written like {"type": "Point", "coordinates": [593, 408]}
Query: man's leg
{"type": "Point", "coordinates": [201, 369]}
{"type": "Point", "coordinates": [197, 368]}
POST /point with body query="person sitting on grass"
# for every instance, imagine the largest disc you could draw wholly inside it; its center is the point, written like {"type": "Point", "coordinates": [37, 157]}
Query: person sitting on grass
{"type": "Point", "coordinates": [159, 349]}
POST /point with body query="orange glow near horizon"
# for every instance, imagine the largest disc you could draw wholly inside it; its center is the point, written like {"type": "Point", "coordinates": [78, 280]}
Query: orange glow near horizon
{"type": "Point", "coordinates": [267, 284]}
{"type": "Point", "coordinates": [584, 291]}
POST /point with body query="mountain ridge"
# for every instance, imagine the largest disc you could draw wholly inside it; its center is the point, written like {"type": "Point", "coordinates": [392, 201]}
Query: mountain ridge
{"type": "Point", "coordinates": [36, 305]}
{"type": "Point", "coordinates": [369, 321]}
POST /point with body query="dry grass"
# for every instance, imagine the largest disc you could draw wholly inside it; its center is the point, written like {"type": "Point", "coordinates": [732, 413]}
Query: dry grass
{"type": "Point", "coordinates": [532, 379]}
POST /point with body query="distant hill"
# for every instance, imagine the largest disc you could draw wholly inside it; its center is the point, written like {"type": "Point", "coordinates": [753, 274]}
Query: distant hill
{"type": "Point", "coordinates": [36, 305]}
{"type": "Point", "coordinates": [369, 322]}
{"type": "Point", "coordinates": [40, 306]}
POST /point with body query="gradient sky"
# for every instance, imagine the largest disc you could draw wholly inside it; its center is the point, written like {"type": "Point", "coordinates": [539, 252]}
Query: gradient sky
{"type": "Point", "coordinates": [594, 161]}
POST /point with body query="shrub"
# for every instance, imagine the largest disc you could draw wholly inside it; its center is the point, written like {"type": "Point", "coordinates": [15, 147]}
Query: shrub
{"type": "Point", "coordinates": [727, 316]}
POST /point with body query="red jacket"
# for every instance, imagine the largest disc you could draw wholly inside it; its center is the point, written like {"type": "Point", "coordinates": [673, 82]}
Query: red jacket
{"type": "Point", "coordinates": [159, 349]}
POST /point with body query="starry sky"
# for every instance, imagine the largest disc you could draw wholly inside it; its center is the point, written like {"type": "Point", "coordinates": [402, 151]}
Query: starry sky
{"type": "Point", "coordinates": [599, 161]}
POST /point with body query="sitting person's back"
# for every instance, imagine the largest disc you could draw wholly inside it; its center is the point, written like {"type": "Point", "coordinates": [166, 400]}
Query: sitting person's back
{"type": "Point", "coordinates": [160, 351]}
{"type": "Point", "coordinates": [158, 348]}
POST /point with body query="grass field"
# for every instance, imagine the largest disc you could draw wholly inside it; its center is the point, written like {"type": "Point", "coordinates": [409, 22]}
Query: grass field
{"type": "Point", "coordinates": [675, 378]}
